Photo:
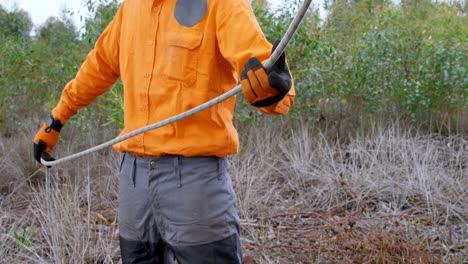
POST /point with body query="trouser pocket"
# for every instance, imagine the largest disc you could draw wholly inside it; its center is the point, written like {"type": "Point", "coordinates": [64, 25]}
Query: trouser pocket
{"type": "Point", "coordinates": [121, 162]}
{"type": "Point", "coordinates": [196, 206]}
{"type": "Point", "coordinates": [128, 169]}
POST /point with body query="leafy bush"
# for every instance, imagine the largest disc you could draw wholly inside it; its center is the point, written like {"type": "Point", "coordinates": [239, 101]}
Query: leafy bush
{"type": "Point", "coordinates": [111, 103]}
{"type": "Point", "coordinates": [366, 60]}
{"type": "Point", "coordinates": [16, 24]}
{"type": "Point", "coordinates": [374, 58]}
{"type": "Point", "coordinates": [34, 71]}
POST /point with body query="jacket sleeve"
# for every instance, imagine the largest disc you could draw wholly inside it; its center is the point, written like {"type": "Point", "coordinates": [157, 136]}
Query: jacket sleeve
{"type": "Point", "coordinates": [240, 38]}
{"type": "Point", "coordinates": [96, 75]}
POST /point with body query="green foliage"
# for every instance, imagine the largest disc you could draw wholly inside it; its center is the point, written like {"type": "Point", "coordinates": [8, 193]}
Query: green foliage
{"type": "Point", "coordinates": [17, 24]}
{"type": "Point", "coordinates": [34, 71]}
{"type": "Point", "coordinates": [24, 240]}
{"type": "Point", "coordinates": [372, 58]}
{"type": "Point", "coordinates": [111, 102]}
{"type": "Point", "coordinates": [103, 15]}
{"type": "Point", "coordinates": [14, 50]}
{"type": "Point", "coordinates": [366, 59]}
{"type": "Point", "coordinates": [58, 34]}
{"type": "Point", "coordinates": [13, 58]}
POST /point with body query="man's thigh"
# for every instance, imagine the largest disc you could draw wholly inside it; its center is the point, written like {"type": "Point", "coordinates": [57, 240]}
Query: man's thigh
{"type": "Point", "coordinates": [140, 241]}
{"type": "Point", "coordinates": [195, 206]}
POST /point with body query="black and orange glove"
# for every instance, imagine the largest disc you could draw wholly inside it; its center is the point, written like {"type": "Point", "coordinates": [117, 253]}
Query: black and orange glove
{"type": "Point", "coordinates": [46, 138]}
{"type": "Point", "coordinates": [263, 88]}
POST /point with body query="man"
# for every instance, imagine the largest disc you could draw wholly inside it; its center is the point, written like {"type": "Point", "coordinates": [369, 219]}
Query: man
{"type": "Point", "coordinates": [176, 196]}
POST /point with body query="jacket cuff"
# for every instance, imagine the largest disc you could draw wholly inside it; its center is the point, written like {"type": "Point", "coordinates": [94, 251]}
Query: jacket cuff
{"type": "Point", "coordinates": [62, 112]}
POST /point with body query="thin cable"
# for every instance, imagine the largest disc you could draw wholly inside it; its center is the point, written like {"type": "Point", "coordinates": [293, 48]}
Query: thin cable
{"type": "Point", "coordinates": [281, 46]}
{"type": "Point", "coordinates": [88, 191]}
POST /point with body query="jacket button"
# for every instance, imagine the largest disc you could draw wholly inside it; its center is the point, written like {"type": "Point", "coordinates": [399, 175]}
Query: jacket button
{"type": "Point", "coordinates": [150, 42]}
{"type": "Point", "coordinates": [146, 75]}
{"type": "Point", "coordinates": [156, 9]}
{"type": "Point", "coordinates": [138, 139]}
{"type": "Point", "coordinates": [153, 164]}
{"type": "Point", "coordinates": [143, 108]}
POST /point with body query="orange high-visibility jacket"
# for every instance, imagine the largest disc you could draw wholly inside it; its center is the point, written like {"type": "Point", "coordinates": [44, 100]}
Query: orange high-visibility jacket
{"type": "Point", "coordinates": [173, 55]}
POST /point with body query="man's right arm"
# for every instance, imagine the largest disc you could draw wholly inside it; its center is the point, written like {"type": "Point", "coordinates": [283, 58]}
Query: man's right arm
{"type": "Point", "coordinates": [96, 75]}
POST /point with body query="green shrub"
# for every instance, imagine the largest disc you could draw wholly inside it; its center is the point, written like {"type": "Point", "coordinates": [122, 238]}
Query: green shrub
{"type": "Point", "coordinates": [374, 58]}
{"type": "Point", "coordinates": [367, 59]}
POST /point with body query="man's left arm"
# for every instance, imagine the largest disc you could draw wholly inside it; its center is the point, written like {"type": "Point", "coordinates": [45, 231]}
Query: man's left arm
{"type": "Point", "coordinates": [271, 91]}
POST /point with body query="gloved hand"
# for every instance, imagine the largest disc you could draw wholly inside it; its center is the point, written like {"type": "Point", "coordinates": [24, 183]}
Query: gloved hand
{"type": "Point", "coordinates": [46, 138]}
{"type": "Point", "coordinates": [264, 88]}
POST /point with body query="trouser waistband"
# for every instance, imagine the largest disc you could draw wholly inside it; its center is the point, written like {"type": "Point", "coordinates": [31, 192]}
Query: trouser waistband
{"type": "Point", "coordinates": [175, 160]}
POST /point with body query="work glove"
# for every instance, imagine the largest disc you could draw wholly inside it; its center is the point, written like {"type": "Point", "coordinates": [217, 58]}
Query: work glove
{"type": "Point", "coordinates": [46, 138]}
{"type": "Point", "coordinates": [263, 88]}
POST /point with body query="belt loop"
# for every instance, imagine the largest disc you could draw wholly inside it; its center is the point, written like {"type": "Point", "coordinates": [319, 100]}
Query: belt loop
{"type": "Point", "coordinates": [134, 171]}
{"type": "Point", "coordinates": [220, 168]}
{"type": "Point", "coordinates": [177, 170]}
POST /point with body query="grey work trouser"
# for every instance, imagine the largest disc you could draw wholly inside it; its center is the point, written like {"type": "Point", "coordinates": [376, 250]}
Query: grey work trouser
{"type": "Point", "coordinates": [177, 207]}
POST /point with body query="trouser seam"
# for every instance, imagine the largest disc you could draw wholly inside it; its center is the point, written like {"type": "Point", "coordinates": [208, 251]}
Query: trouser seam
{"type": "Point", "coordinates": [177, 171]}
{"type": "Point", "coordinates": [220, 168]}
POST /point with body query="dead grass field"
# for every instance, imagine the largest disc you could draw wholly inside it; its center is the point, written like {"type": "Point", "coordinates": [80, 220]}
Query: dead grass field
{"type": "Point", "coordinates": [386, 195]}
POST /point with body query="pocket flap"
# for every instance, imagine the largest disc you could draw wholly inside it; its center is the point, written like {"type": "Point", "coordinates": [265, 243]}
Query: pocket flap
{"type": "Point", "coordinates": [189, 39]}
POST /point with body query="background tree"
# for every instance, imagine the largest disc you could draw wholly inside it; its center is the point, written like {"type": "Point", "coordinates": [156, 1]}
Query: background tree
{"type": "Point", "coordinates": [16, 24]}
{"type": "Point", "coordinates": [103, 15]}
{"type": "Point", "coordinates": [58, 34]}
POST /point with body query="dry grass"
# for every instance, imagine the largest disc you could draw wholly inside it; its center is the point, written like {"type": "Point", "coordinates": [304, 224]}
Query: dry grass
{"type": "Point", "coordinates": [387, 195]}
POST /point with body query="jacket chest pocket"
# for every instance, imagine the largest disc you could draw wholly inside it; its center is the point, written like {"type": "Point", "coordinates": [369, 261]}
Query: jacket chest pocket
{"type": "Point", "coordinates": [182, 53]}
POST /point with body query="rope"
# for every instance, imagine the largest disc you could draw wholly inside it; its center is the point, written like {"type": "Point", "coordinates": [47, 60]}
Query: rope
{"type": "Point", "coordinates": [281, 46]}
